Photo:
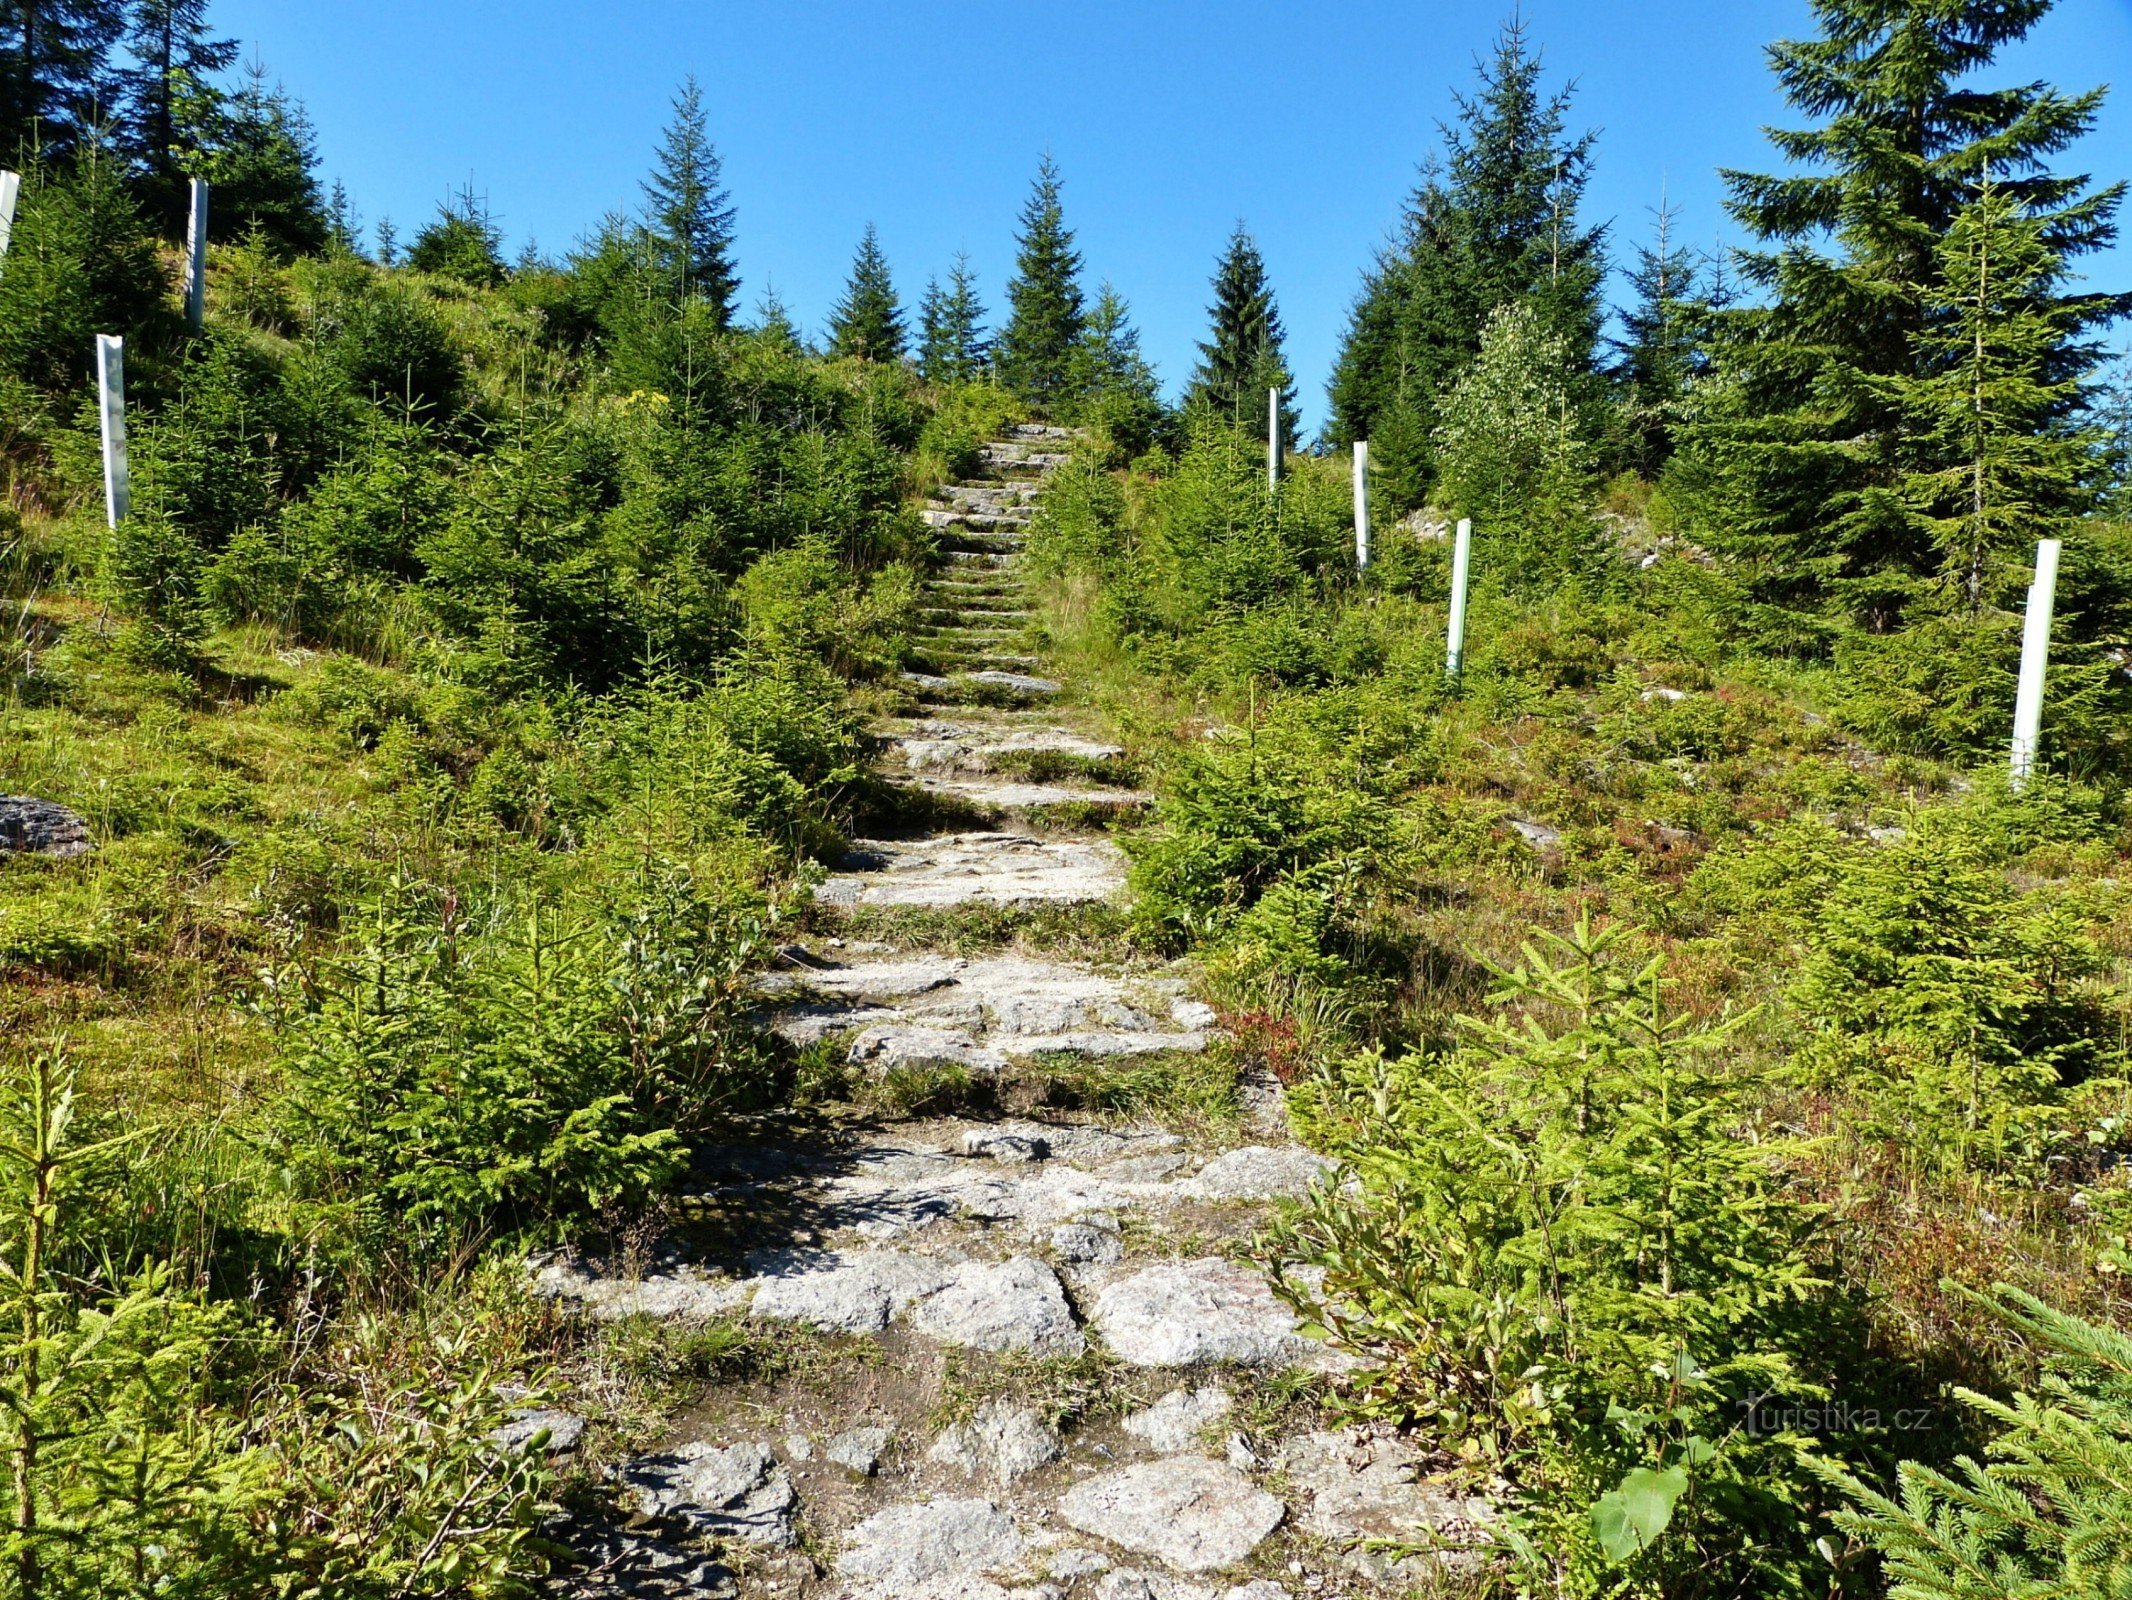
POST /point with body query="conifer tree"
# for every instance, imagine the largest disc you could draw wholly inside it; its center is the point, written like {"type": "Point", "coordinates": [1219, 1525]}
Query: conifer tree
{"type": "Point", "coordinates": [1495, 220]}
{"type": "Point", "coordinates": [868, 321]}
{"type": "Point", "coordinates": [263, 165]}
{"type": "Point", "coordinates": [688, 212]}
{"type": "Point", "coordinates": [1818, 447]}
{"type": "Point", "coordinates": [1035, 352]}
{"type": "Point", "coordinates": [80, 263]}
{"type": "Point", "coordinates": [56, 78]}
{"type": "Point", "coordinates": [774, 323]}
{"type": "Point", "coordinates": [1115, 388]}
{"type": "Point", "coordinates": [1993, 412]}
{"type": "Point", "coordinates": [462, 242]}
{"type": "Point", "coordinates": [1242, 358]}
{"type": "Point", "coordinates": [171, 98]}
{"type": "Point", "coordinates": [951, 346]}
{"type": "Point", "coordinates": [1661, 348]}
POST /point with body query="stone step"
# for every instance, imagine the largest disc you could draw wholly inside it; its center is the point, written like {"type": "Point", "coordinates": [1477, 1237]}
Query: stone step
{"type": "Point", "coordinates": [974, 869]}
{"type": "Point", "coordinates": [1013, 794]}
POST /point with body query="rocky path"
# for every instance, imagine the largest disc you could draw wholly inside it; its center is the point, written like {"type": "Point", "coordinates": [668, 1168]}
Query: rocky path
{"type": "Point", "coordinates": [1023, 1354]}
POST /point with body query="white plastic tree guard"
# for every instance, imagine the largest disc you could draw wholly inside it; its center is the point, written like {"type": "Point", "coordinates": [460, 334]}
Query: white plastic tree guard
{"type": "Point", "coordinates": [10, 192]}
{"type": "Point", "coordinates": [1461, 566]}
{"type": "Point", "coordinates": [1273, 439]}
{"type": "Point", "coordinates": [196, 259]}
{"type": "Point", "coordinates": [1362, 504]}
{"type": "Point", "coordinates": [2035, 652]}
{"type": "Point", "coordinates": [111, 407]}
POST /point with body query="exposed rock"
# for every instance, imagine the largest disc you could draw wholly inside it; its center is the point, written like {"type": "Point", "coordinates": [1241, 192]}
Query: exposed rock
{"type": "Point", "coordinates": [898, 1551]}
{"type": "Point", "coordinates": [1537, 834]}
{"type": "Point", "coordinates": [565, 1429]}
{"type": "Point", "coordinates": [1176, 1421]}
{"type": "Point", "coordinates": [975, 868]}
{"type": "Point", "coordinates": [1129, 1584]}
{"type": "Point", "coordinates": [1197, 1515]}
{"type": "Point", "coordinates": [1013, 1305]}
{"type": "Point", "coordinates": [847, 1292]}
{"type": "Point", "coordinates": [892, 1048]}
{"type": "Point", "coordinates": [1019, 682]}
{"type": "Point", "coordinates": [1190, 1313]}
{"type": "Point", "coordinates": [1076, 1561]}
{"type": "Point", "coordinates": [1087, 1242]}
{"type": "Point", "coordinates": [1663, 693]}
{"type": "Point", "coordinates": [859, 1449]}
{"type": "Point", "coordinates": [935, 746]}
{"type": "Point", "coordinates": [1007, 794]}
{"type": "Point", "coordinates": [33, 827]}
{"type": "Point", "coordinates": [1144, 1169]}
{"type": "Point", "coordinates": [1358, 1486]}
{"type": "Point", "coordinates": [1013, 1149]}
{"type": "Point", "coordinates": [1259, 1172]}
{"type": "Point", "coordinates": [671, 1290]}
{"type": "Point", "coordinates": [1004, 1441]}
{"type": "Point", "coordinates": [737, 1492]}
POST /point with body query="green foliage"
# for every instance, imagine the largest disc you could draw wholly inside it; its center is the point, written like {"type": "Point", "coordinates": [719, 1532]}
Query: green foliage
{"type": "Point", "coordinates": [1573, 1268]}
{"type": "Point", "coordinates": [1949, 1004]}
{"type": "Point", "coordinates": [867, 323]}
{"type": "Point", "coordinates": [2047, 1510]}
{"type": "Point", "coordinates": [80, 262]}
{"type": "Point", "coordinates": [1511, 452]}
{"type": "Point", "coordinates": [1494, 224]}
{"type": "Point", "coordinates": [689, 215]}
{"type": "Point", "coordinates": [461, 243]}
{"type": "Point", "coordinates": [951, 342]}
{"type": "Point", "coordinates": [1034, 353]}
{"type": "Point", "coordinates": [453, 1075]}
{"type": "Point", "coordinates": [1242, 359]}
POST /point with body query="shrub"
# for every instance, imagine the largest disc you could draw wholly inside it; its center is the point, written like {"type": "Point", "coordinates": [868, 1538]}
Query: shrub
{"type": "Point", "coordinates": [1568, 1264]}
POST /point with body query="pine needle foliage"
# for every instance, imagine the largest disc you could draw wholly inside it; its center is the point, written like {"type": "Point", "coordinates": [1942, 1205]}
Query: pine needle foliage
{"type": "Point", "coordinates": [1493, 221]}
{"type": "Point", "coordinates": [951, 336]}
{"type": "Point", "coordinates": [1852, 270]}
{"type": "Point", "coordinates": [1046, 313]}
{"type": "Point", "coordinates": [867, 323]}
{"type": "Point", "coordinates": [688, 211]}
{"type": "Point", "coordinates": [2047, 1511]}
{"type": "Point", "coordinates": [1242, 357]}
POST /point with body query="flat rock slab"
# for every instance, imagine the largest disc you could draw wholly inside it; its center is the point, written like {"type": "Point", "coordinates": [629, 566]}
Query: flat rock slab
{"type": "Point", "coordinates": [735, 1492]}
{"type": "Point", "coordinates": [1259, 1172]}
{"type": "Point", "coordinates": [1195, 1313]}
{"type": "Point", "coordinates": [1194, 1514]}
{"type": "Point", "coordinates": [976, 869]}
{"type": "Point", "coordinates": [1019, 682]}
{"type": "Point", "coordinates": [33, 827]}
{"type": "Point", "coordinates": [1008, 794]}
{"type": "Point", "coordinates": [1013, 1305]}
{"type": "Point", "coordinates": [844, 1291]}
{"type": "Point", "coordinates": [1358, 1486]}
{"type": "Point", "coordinates": [1176, 1421]}
{"type": "Point", "coordinates": [608, 1291]}
{"type": "Point", "coordinates": [1004, 1441]}
{"type": "Point", "coordinates": [1128, 1583]}
{"type": "Point", "coordinates": [565, 1430]}
{"type": "Point", "coordinates": [906, 1549]}
{"type": "Point", "coordinates": [966, 746]}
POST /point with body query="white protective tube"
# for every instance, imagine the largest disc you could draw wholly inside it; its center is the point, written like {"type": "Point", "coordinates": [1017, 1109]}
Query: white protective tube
{"type": "Point", "coordinates": [10, 192]}
{"type": "Point", "coordinates": [1461, 565]}
{"type": "Point", "coordinates": [1362, 504]}
{"type": "Point", "coordinates": [1273, 439]}
{"type": "Point", "coordinates": [111, 406]}
{"type": "Point", "coordinates": [196, 259]}
{"type": "Point", "coordinates": [2035, 652]}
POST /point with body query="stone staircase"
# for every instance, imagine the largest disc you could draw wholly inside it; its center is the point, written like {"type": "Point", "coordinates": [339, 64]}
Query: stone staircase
{"type": "Point", "coordinates": [1025, 1355]}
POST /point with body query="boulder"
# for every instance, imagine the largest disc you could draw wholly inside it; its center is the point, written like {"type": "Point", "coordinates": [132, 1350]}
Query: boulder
{"type": "Point", "coordinates": [1192, 1313]}
{"type": "Point", "coordinates": [1194, 1514]}
{"type": "Point", "coordinates": [1013, 1305]}
{"type": "Point", "coordinates": [33, 827]}
{"type": "Point", "coordinates": [734, 1492]}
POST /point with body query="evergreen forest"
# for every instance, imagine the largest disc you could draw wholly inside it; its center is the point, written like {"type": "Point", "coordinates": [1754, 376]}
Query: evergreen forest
{"type": "Point", "coordinates": [650, 951]}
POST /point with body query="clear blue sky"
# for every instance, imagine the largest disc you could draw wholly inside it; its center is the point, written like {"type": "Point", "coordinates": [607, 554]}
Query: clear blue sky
{"type": "Point", "coordinates": [1170, 121]}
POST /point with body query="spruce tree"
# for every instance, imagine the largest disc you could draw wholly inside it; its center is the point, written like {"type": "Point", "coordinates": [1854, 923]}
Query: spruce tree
{"type": "Point", "coordinates": [774, 324]}
{"type": "Point", "coordinates": [688, 212]}
{"type": "Point", "coordinates": [1817, 446]}
{"type": "Point", "coordinates": [868, 322]}
{"type": "Point", "coordinates": [170, 97]}
{"type": "Point", "coordinates": [1994, 413]}
{"type": "Point", "coordinates": [263, 167]}
{"type": "Point", "coordinates": [1493, 222]}
{"type": "Point", "coordinates": [1242, 357]}
{"type": "Point", "coordinates": [1036, 349]}
{"type": "Point", "coordinates": [1661, 348]}
{"type": "Point", "coordinates": [463, 242]}
{"type": "Point", "coordinates": [56, 76]}
{"type": "Point", "coordinates": [951, 346]}
{"type": "Point", "coordinates": [1114, 387]}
